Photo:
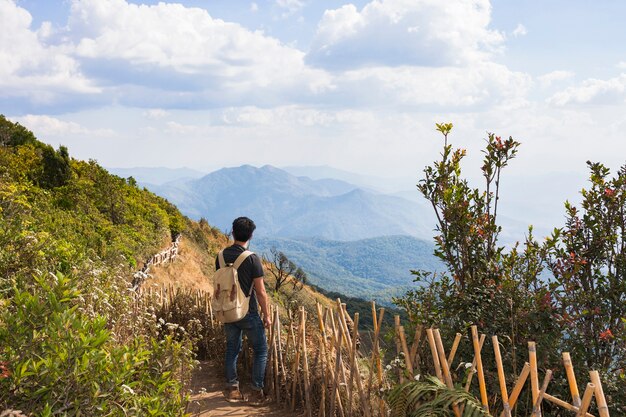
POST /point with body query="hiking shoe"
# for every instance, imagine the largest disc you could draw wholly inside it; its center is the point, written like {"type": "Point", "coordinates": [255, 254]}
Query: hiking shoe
{"type": "Point", "coordinates": [233, 395]}
{"type": "Point", "coordinates": [257, 398]}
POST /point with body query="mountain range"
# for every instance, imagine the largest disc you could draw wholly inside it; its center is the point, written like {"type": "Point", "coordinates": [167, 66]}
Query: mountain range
{"type": "Point", "coordinates": [374, 269]}
{"type": "Point", "coordinates": [285, 205]}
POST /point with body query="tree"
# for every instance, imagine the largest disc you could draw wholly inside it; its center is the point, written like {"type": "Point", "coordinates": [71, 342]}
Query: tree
{"type": "Point", "coordinates": [588, 260]}
{"type": "Point", "coordinates": [484, 284]}
{"type": "Point", "coordinates": [57, 170]}
{"type": "Point", "coordinates": [284, 268]}
{"type": "Point", "coordinates": [14, 134]}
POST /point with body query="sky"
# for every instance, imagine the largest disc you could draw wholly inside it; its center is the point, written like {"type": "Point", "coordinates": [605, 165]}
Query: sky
{"type": "Point", "coordinates": [355, 85]}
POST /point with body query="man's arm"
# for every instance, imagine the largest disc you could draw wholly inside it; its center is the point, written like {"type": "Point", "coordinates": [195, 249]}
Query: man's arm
{"type": "Point", "coordinates": [261, 295]}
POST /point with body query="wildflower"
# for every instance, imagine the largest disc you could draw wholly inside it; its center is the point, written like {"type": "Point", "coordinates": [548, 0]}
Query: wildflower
{"type": "Point", "coordinates": [388, 367]}
{"type": "Point", "coordinates": [468, 365]}
{"type": "Point", "coordinates": [128, 389]}
{"type": "Point", "coordinates": [608, 192]}
{"type": "Point", "coordinates": [606, 335]}
{"type": "Point", "coordinates": [4, 370]}
{"type": "Point", "coordinates": [417, 377]}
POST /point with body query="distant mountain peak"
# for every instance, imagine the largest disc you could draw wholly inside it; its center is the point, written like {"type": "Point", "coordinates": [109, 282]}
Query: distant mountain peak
{"type": "Point", "coordinates": [283, 204]}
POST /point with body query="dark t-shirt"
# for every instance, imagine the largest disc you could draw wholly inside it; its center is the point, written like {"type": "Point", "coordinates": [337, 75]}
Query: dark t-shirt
{"type": "Point", "coordinates": [250, 269]}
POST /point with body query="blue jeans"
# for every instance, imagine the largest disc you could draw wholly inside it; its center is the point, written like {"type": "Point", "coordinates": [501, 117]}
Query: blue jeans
{"type": "Point", "coordinates": [255, 332]}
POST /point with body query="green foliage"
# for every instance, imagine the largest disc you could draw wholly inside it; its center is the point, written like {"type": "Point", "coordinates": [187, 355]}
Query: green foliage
{"type": "Point", "coordinates": [63, 361]}
{"type": "Point", "coordinates": [74, 338]}
{"type": "Point", "coordinates": [431, 398]}
{"type": "Point", "coordinates": [501, 292]}
{"type": "Point", "coordinates": [588, 260]}
{"type": "Point", "coordinates": [14, 134]}
{"type": "Point", "coordinates": [579, 307]}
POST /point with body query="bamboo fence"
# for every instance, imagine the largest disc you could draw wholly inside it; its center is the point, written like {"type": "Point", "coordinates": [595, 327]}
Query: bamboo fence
{"type": "Point", "coordinates": [165, 256]}
{"type": "Point", "coordinates": [314, 364]}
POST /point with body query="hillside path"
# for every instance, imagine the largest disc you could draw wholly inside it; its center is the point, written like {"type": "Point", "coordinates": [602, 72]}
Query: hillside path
{"type": "Point", "coordinates": [210, 402]}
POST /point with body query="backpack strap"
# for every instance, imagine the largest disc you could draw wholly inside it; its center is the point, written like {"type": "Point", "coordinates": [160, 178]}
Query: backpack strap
{"type": "Point", "coordinates": [244, 255]}
{"type": "Point", "coordinates": [220, 259]}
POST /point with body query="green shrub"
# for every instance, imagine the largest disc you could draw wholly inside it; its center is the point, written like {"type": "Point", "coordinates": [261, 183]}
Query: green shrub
{"type": "Point", "coordinates": [62, 361]}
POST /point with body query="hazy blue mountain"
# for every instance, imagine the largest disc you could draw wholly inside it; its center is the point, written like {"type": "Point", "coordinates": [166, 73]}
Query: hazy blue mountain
{"type": "Point", "coordinates": [368, 182]}
{"type": "Point", "coordinates": [284, 205]}
{"type": "Point", "coordinates": [376, 268]}
{"type": "Point", "coordinates": [156, 175]}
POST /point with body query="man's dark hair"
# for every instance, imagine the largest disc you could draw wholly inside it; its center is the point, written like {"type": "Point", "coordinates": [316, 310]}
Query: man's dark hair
{"type": "Point", "coordinates": [243, 228]}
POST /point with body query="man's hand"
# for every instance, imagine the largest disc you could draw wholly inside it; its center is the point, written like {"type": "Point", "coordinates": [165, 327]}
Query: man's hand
{"type": "Point", "coordinates": [267, 322]}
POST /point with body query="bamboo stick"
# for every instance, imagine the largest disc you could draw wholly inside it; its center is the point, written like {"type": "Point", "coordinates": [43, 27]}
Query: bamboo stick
{"type": "Point", "coordinates": [603, 409]}
{"type": "Point", "coordinates": [280, 351]}
{"type": "Point", "coordinates": [419, 329]}
{"type": "Point", "coordinates": [446, 368]}
{"type": "Point", "coordinates": [374, 349]}
{"type": "Point", "coordinates": [567, 406]}
{"type": "Point", "coordinates": [379, 367]}
{"type": "Point", "coordinates": [296, 367]}
{"type": "Point", "coordinates": [519, 384]}
{"type": "Point", "coordinates": [335, 390]}
{"type": "Point", "coordinates": [352, 361]}
{"type": "Point", "coordinates": [336, 342]}
{"type": "Point", "coordinates": [343, 324]}
{"type": "Point", "coordinates": [501, 377]}
{"type": "Point", "coordinates": [571, 379]}
{"type": "Point", "coordinates": [435, 355]}
{"type": "Point", "coordinates": [468, 384]}
{"type": "Point", "coordinates": [275, 351]}
{"type": "Point", "coordinates": [479, 367]}
{"type": "Point", "coordinates": [441, 353]}
{"type": "Point", "coordinates": [455, 346]}
{"type": "Point", "coordinates": [307, 382]}
{"type": "Point", "coordinates": [398, 345]}
{"type": "Point", "coordinates": [357, 373]}
{"type": "Point", "coordinates": [269, 377]}
{"type": "Point", "coordinates": [584, 406]}
{"type": "Point", "coordinates": [322, 409]}
{"type": "Point", "coordinates": [405, 349]}
{"type": "Point", "coordinates": [542, 392]}
{"type": "Point", "coordinates": [534, 377]}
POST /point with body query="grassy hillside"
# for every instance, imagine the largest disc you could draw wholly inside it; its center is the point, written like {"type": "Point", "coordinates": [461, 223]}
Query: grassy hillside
{"type": "Point", "coordinates": [74, 340]}
{"type": "Point", "coordinates": [376, 268]}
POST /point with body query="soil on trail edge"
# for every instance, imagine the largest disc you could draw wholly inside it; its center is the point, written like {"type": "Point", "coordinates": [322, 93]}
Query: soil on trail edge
{"type": "Point", "coordinates": [207, 399]}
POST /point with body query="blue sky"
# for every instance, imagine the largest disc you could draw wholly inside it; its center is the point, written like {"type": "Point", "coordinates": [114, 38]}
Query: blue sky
{"type": "Point", "coordinates": [358, 86]}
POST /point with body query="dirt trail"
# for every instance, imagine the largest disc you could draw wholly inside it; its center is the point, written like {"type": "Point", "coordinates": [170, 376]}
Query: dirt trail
{"type": "Point", "coordinates": [208, 401]}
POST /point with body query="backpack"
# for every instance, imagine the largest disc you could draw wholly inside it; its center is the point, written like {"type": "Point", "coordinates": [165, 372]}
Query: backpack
{"type": "Point", "coordinates": [229, 302]}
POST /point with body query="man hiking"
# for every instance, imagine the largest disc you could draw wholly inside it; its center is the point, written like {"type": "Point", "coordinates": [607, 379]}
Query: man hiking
{"type": "Point", "coordinates": [249, 272]}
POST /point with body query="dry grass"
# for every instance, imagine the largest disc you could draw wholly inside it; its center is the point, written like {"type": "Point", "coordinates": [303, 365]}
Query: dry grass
{"type": "Point", "coordinates": [192, 270]}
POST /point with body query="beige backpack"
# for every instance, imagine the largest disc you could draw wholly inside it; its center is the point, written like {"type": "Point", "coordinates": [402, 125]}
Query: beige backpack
{"type": "Point", "coordinates": [229, 302]}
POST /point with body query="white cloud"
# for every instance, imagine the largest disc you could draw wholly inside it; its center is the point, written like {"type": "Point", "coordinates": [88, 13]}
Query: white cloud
{"type": "Point", "coordinates": [254, 7]}
{"type": "Point", "coordinates": [405, 32]}
{"type": "Point", "coordinates": [622, 65]}
{"type": "Point", "coordinates": [30, 69]}
{"type": "Point", "coordinates": [481, 84]}
{"type": "Point", "coordinates": [290, 6]}
{"type": "Point", "coordinates": [170, 46]}
{"type": "Point", "coordinates": [593, 91]}
{"type": "Point", "coordinates": [552, 77]}
{"type": "Point", "coordinates": [520, 30]}
{"type": "Point", "coordinates": [46, 126]}
{"type": "Point", "coordinates": [155, 114]}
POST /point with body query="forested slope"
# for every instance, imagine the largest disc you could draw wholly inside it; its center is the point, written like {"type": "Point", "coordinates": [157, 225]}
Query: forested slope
{"type": "Point", "coordinates": [73, 337]}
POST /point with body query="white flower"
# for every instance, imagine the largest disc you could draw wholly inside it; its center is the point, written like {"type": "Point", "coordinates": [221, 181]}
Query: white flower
{"type": "Point", "coordinates": [468, 365]}
{"type": "Point", "coordinates": [417, 377]}
{"type": "Point", "coordinates": [128, 389]}
{"type": "Point", "coordinates": [388, 367]}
